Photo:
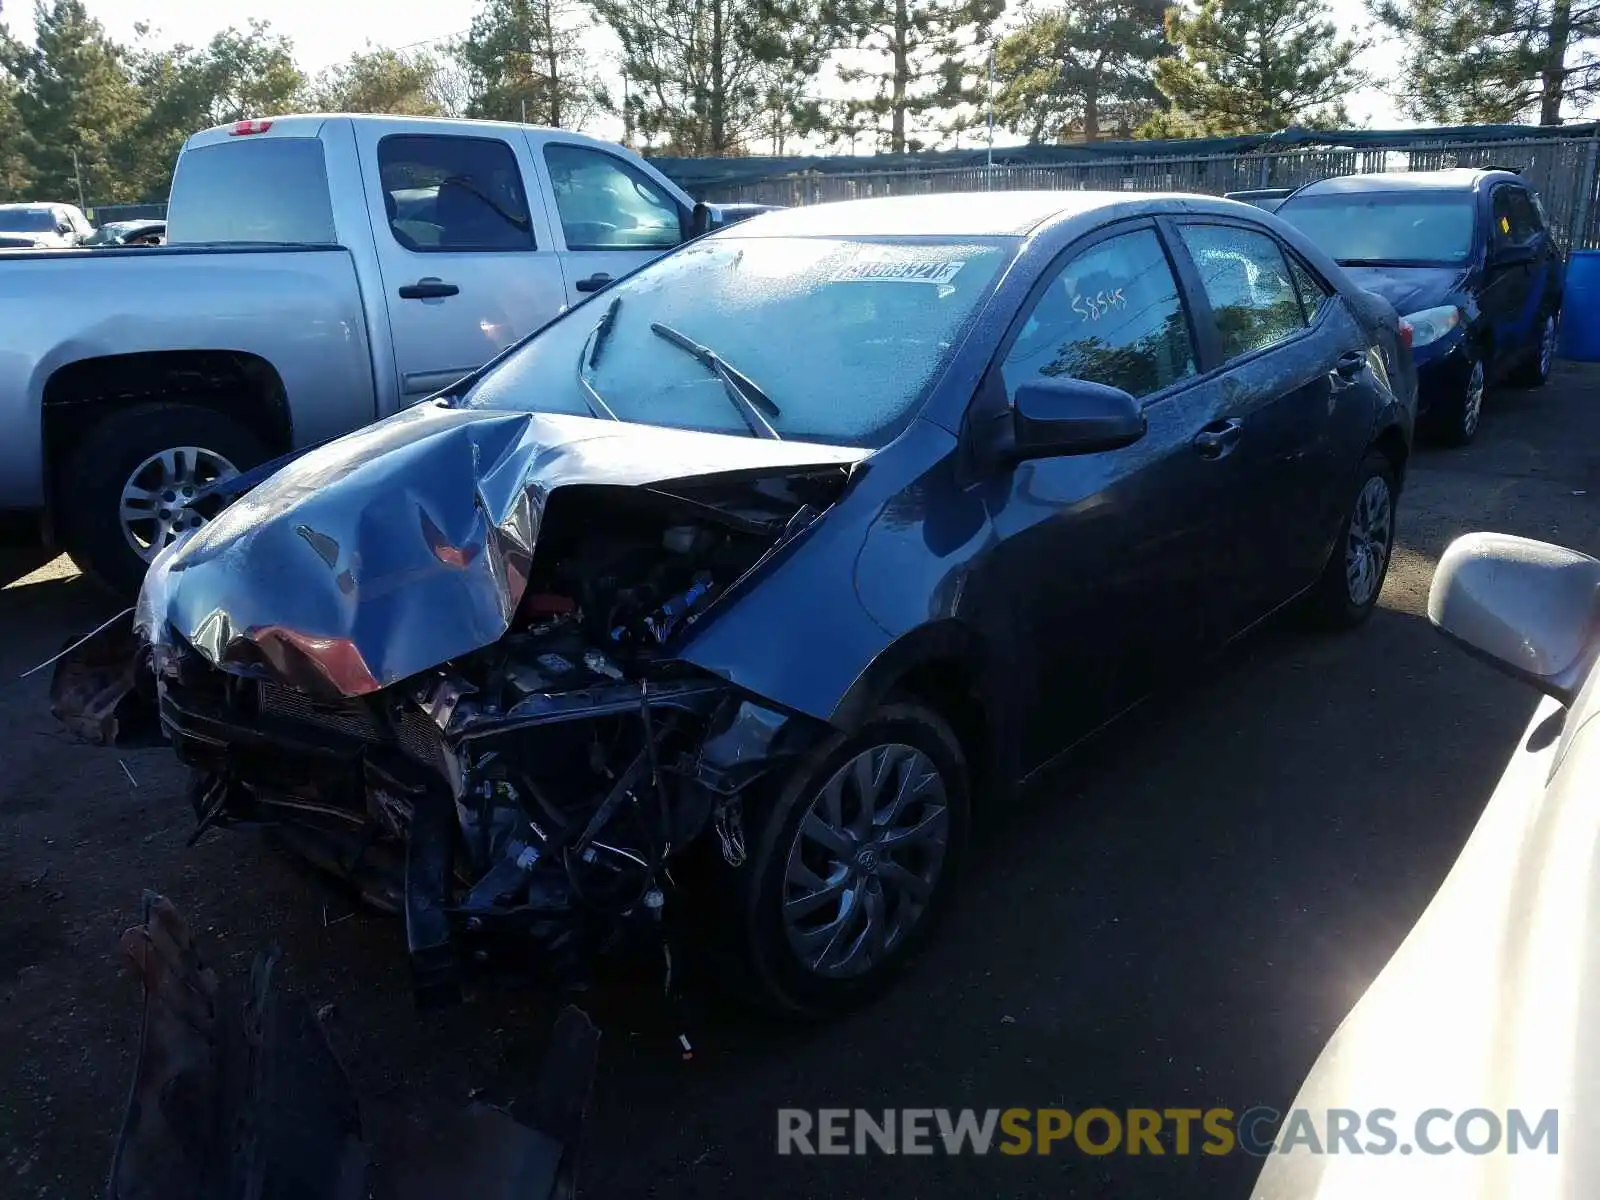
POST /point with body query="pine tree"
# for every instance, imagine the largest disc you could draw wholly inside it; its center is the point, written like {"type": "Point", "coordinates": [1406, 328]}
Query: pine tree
{"type": "Point", "coordinates": [928, 61]}
{"type": "Point", "coordinates": [181, 89]}
{"type": "Point", "coordinates": [1493, 60]}
{"type": "Point", "coordinates": [527, 62]}
{"type": "Point", "coordinates": [1254, 66]}
{"type": "Point", "coordinates": [15, 172]}
{"type": "Point", "coordinates": [707, 77]}
{"type": "Point", "coordinates": [1079, 68]}
{"type": "Point", "coordinates": [76, 104]}
{"type": "Point", "coordinates": [379, 81]}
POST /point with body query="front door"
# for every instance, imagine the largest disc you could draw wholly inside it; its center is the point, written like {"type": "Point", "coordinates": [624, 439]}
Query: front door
{"type": "Point", "coordinates": [1508, 294]}
{"type": "Point", "coordinates": [1108, 568]}
{"type": "Point", "coordinates": [610, 216]}
{"type": "Point", "coordinates": [466, 261]}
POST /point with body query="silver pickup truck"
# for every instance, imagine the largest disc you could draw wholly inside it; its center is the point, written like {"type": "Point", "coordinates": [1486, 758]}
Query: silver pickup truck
{"type": "Point", "coordinates": [321, 272]}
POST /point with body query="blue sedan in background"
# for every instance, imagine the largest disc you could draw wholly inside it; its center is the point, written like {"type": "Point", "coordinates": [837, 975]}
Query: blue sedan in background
{"type": "Point", "coordinates": [782, 555]}
{"type": "Point", "coordinates": [1466, 257]}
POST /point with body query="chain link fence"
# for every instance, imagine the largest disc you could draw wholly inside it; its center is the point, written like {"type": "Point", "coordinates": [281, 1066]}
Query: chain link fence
{"type": "Point", "coordinates": [1561, 170]}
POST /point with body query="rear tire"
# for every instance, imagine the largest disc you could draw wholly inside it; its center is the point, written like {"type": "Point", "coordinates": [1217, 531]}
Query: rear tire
{"type": "Point", "coordinates": [1535, 372]}
{"type": "Point", "coordinates": [1352, 580]}
{"type": "Point", "coordinates": [898, 869]}
{"type": "Point", "coordinates": [118, 470]}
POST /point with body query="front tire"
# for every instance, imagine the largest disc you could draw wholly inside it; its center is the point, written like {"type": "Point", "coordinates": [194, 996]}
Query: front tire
{"type": "Point", "coordinates": [1352, 580]}
{"type": "Point", "coordinates": [124, 491]}
{"type": "Point", "coordinates": [854, 860]}
{"type": "Point", "coordinates": [1457, 419]}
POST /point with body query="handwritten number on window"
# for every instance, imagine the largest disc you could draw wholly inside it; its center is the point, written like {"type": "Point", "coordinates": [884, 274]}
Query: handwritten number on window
{"type": "Point", "coordinates": [1092, 308]}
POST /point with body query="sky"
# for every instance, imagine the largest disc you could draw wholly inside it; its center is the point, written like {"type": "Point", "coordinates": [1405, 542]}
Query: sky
{"type": "Point", "coordinates": [328, 31]}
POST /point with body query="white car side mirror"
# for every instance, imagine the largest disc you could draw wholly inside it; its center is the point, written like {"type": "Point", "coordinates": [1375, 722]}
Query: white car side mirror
{"type": "Point", "coordinates": [1526, 607]}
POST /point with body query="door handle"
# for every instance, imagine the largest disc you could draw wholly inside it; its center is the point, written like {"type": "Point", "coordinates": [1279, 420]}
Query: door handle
{"type": "Point", "coordinates": [1350, 363]}
{"type": "Point", "coordinates": [1218, 438]}
{"type": "Point", "coordinates": [428, 289]}
{"type": "Point", "coordinates": [594, 283]}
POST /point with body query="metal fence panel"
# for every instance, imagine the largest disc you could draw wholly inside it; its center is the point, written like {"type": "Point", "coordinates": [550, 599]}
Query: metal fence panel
{"type": "Point", "coordinates": [1561, 170]}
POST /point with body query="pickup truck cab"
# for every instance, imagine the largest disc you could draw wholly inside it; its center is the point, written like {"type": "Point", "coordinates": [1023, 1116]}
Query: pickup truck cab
{"type": "Point", "coordinates": [42, 226]}
{"type": "Point", "coordinates": [321, 272]}
{"type": "Point", "coordinates": [1466, 257]}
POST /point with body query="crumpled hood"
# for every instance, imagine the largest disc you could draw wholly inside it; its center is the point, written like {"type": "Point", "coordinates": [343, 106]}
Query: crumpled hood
{"type": "Point", "coordinates": [407, 543]}
{"type": "Point", "coordinates": [1411, 289]}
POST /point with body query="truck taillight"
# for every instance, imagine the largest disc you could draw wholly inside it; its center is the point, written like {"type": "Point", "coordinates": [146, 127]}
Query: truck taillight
{"type": "Point", "coordinates": [241, 128]}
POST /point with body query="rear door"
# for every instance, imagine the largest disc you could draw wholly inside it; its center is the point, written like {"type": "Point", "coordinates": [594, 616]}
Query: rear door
{"type": "Point", "coordinates": [609, 215]}
{"type": "Point", "coordinates": [466, 259]}
{"type": "Point", "coordinates": [1295, 395]}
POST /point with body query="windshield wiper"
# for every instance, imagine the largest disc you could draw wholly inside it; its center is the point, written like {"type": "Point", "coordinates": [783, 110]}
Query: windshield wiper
{"type": "Point", "coordinates": [590, 354]}
{"type": "Point", "coordinates": [748, 398]}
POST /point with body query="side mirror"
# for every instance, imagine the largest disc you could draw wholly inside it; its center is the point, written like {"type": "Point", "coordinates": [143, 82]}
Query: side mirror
{"type": "Point", "coordinates": [1529, 608]}
{"type": "Point", "coordinates": [64, 227]}
{"type": "Point", "coordinates": [706, 218]}
{"type": "Point", "coordinates": [1053, 417]}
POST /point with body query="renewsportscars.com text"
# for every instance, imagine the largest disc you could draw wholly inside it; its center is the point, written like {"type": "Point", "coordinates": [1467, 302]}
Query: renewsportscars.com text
{"type": "Point", "coordinates": [1156, 1131]}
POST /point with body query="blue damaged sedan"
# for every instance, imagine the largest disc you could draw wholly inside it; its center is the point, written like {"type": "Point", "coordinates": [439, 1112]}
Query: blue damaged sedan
{"type": "Point", "coordinates": [719, 608]}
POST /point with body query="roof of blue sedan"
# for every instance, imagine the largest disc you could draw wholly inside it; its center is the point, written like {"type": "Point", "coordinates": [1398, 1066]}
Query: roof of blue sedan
{"type": "Point", "coordinates": [951, 214]}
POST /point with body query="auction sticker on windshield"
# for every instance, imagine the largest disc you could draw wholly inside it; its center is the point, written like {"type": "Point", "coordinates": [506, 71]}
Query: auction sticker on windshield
{"type": "Point", "coordinates": [875, 269]}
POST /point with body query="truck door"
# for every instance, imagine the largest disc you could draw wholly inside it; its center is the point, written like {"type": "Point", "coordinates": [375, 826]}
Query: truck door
{"type": "Point", "coordinates": [610, 215]}
{"type": "Point", "coordinates": [467, 261]}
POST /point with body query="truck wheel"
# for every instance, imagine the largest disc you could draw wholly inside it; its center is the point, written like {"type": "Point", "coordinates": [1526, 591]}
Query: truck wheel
{"type": "Point", "coordinates": [853, 856]}
{"type": "Point", "coordinates": [124, 491]}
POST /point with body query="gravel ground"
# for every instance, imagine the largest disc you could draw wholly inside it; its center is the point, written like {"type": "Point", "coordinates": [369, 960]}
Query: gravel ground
{"type": "Point", "coordinates": [1181, 917]}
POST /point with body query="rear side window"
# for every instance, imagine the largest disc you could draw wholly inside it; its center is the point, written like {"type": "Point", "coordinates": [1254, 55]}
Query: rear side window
{"type": "Point", "coordinates": [1312, 290]}
{"type": "Point", "coordinates": [262, 189]}
{"type": "Point", "coordinates": [607, 204]}
{"type": "Point", "coordinates": [1254, 301]}
{"type": "Point", "coordinates": [1111, 315]}
{"type": "Point", "coordinates": [451, 193]}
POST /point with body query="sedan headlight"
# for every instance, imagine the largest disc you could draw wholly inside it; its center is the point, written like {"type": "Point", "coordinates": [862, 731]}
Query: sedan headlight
{"type": "Point", "coordinates": [1431, 324]}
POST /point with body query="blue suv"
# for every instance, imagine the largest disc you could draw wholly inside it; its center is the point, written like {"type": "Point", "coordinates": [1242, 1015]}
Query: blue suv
{"type": "Point", "coordinates": [1466, 258]}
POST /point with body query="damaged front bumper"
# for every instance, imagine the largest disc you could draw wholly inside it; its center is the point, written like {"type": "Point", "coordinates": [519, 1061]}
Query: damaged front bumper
{"type": "Point", "coordinates": [514, 768]}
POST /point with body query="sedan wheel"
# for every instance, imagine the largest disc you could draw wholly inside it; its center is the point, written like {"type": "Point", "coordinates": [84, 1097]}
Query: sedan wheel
{"type": "Point", "coordinates": [1368, 541]}
{"type": "Point", "coordinates": [864, 861]}
{"type": "Point", "coordinates": [852, 857]}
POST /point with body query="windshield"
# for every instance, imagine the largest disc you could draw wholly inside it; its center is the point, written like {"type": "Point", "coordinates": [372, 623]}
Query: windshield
{"type": "Point", "coordinates": [1386, 227]}
{"type": "Point", "coordinates": [827, 339]}
{"type": "Point", "coordinates": [27, 220]}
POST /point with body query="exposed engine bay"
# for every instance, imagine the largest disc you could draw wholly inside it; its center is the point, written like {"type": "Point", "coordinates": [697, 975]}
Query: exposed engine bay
{"type": "Point", "coordinates": [528, 796]}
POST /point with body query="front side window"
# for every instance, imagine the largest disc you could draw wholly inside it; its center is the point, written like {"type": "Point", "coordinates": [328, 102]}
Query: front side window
{"type": "Point", "coordinates": [844, 335]}
{"type": "Point", "coordinates": [1377, 228]}
{"type": "Point", "coordinates": [1246, 279]}
{"type": "Point", "coordinates": [1524, 221]}
{"type": "Point", "coordinates": [607, 204]}
{"type": "Point", "coordinates": [452, 193]}
{"type": "Point", "coordinates": [1111, 315]}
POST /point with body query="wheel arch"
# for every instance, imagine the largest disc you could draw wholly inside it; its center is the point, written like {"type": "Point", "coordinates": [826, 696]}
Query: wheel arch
{"type": "Point", "coordinates": [233, 383]}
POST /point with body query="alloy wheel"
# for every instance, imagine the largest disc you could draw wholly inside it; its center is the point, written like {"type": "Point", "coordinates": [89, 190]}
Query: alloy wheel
{"type": "Point", "coordinates": [1371, 536]}
{"type": "Point", "coordinates": [159, 497]}
{"type": "Point", "coordinates": [1547, 346]}
{"type": "Point", "coordinates": [1472, 402]}
{"type": "Point", "coordinates": [865, 861]}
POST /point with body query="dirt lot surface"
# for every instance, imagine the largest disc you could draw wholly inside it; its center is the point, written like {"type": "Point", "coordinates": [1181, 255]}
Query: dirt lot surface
{"type": "Point", "coordinates": [1181, 917]}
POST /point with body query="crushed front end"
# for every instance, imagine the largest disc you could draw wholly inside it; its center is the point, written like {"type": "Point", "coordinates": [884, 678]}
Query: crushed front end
{"type": "Point", "coordinates": [525, 796]}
